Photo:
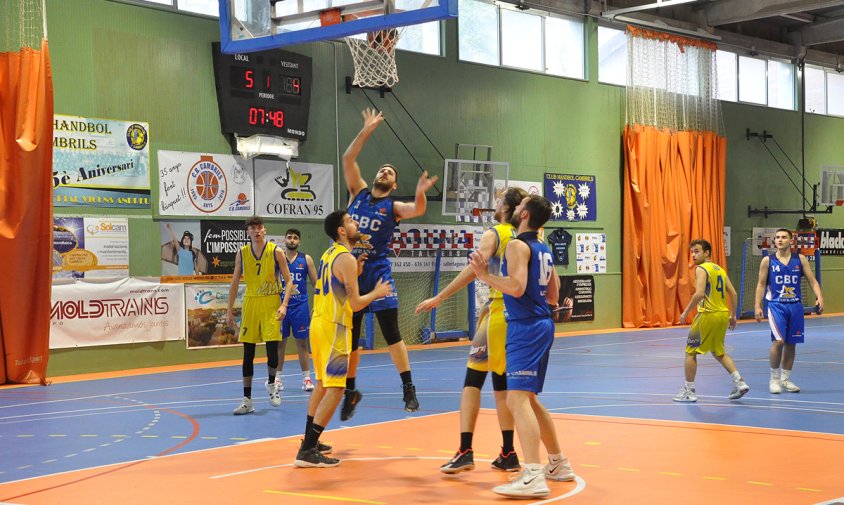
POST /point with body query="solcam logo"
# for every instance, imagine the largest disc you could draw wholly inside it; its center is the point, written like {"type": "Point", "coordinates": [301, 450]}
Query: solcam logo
{"type": "Point", "coordinates": [106, 227]}
{"type": "Point", "coordinates": [204, 297]}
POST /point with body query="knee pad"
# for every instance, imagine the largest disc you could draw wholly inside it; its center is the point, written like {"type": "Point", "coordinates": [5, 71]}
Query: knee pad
{"type": "Point", "coordinates": [474, 378]}
{"type": "Point", "coordinates": [388, 320]}
{"type": "Point", "coordinates": [499, 382]}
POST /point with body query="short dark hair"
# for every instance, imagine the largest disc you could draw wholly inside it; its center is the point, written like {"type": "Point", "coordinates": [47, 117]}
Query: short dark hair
{"type": "Point", "coordinates": [790, 235]}
{"type": "Point", "coordinates": [704, 244]}
{"type": "Point", "coordinates": [540, 211]}
{"type": "Point", "coordinates": [293, 231]}
{"type": "Point", "coordinates": [334, 221]}
{"type": "Point", "coordinates": [513, 197]}
{"type": "Point", "coordinates": [254, 221]}
{"type": "Point", "coordinates": [395, 170]}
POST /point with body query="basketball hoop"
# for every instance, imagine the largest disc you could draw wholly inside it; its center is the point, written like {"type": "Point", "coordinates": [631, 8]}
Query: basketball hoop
{"type": "Point", "coordinates": [375, 58]}
{"type": "Point", "coordinates": [839, 203]}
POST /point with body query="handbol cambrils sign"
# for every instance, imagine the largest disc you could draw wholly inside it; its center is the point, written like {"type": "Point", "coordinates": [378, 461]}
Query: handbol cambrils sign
{"type": "Point", "coordinates": [100, 163]}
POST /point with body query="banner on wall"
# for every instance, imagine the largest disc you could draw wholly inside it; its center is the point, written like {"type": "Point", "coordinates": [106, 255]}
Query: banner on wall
{"type": "Point", "coordinates": [100, 163]}
{"type": "Point", "coordinates": [90, 247]}
{"type": "Point", "coordinates": [195, 184]}
{"type": "Point", "coordinates": [206, 306]}
{"type": "Point", "coordinates": [294, 190]}
{"type": "Point", "coordinates": [195, 249]}
{"type": "Point", "coordinates": [125, 311]}
{"type": "Point", "coordinates": [831, 241]}
{"type": "Point", "coordinates": [577, 299]}
{"type": "Point", "coordinates": [415, 246]}
{"type": "Point", "coordinates": [591, 252]}
{"type": "Point", "coordinates": [572, 197]}
{"type": "Point", "coordinates": [532, 187]}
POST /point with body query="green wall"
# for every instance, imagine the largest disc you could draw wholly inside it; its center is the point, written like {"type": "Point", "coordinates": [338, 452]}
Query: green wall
{"type": "Point", "coordinates": [120, 61]}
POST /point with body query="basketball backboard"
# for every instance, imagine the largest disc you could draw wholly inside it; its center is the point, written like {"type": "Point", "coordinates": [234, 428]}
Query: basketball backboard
{"type": "Point", "coordinates": [832, 185]}
{"type": "Point", "coordinates": [254, 25]}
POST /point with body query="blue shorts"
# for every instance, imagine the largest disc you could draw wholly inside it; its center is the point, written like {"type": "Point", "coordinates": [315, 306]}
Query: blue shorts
{"type": "Point", "coordinates": [529, 344]}
{"type": "Point", "coordinates": [786, 321]}
{"type": "Point", "coordinates": [297, 321]}
{"type": "Point", "coordinates": [372, 271]}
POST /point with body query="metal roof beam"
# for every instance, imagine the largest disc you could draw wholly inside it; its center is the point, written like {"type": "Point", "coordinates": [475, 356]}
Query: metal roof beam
{"type": "Point", "coordinates": [735, 11]}
{"type": "Point", "coordinates": [823, 32]}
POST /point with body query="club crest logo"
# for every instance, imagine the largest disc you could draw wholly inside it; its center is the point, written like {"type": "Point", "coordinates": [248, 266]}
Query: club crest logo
{"type": "Point", "coordinates": [207, 186]}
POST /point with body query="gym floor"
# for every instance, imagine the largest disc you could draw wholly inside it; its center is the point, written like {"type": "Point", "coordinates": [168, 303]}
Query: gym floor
{"type": "Point", "coordinates": [168, 435]}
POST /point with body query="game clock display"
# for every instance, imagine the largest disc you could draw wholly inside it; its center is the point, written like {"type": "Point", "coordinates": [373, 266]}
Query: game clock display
{"type": "Point", "coordinates": [265, 92]}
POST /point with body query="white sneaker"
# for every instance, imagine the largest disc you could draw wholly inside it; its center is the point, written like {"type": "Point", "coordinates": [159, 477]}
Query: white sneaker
{"type": "Point", "coordinates": [272, 390]}
{"type": "Point", "coordinates": [560, 471]}
{"type": "Point", "coordinates": [307, 384]}
{"type": "Point", "coordinates": [529, 485]}
{"type": "Point", "coordinates": [739, 390]}
{"type": "Point", "coordinates": [774, 387]}
{"type": "Point", "coordinates": [789, 386]}
{"type": "Point", "coordinates": [245, 407]}
{"type": "Point", "coordinates": [279, 385]}
{"type": "Point", "coordinates": [686, 395]}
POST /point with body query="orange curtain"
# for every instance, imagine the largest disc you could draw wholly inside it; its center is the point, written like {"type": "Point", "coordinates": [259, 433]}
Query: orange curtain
{"type": "Point", "coordinates": [26, 215]}
{"type": "Point", "coordinates": [673, 193]}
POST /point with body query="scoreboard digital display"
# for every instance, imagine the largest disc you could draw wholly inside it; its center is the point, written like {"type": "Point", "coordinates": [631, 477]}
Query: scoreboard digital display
{"type": "Point", "coordinates": [267, 92]}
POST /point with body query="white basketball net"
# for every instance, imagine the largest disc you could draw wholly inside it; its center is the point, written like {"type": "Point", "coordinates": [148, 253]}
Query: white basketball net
{"type": "Point", "coordinates": [375, 58]}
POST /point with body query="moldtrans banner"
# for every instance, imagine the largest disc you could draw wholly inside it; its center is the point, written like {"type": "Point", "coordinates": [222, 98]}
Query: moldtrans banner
{"type": "Point", "coordinates": [100, 163]}
{"type": "Point", "coordinates": [88, 313]}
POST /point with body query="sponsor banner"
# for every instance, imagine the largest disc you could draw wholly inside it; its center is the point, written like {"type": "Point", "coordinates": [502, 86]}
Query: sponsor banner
{"type": "Point", "coordinates": [831, 241]}
{"type": "Point", "coordinates": [181, 250]}
{"type": "Point", "coordinates": [119, 312]}
{"type": "Point", "coordinates": [194, 184]}
{"type": "Point", "coordinates": [577, 299]}
{"type": "Point", "coordinates": [294, 190]}
{"type": "Point", "coordinates": [90, 247]}
{"type": "Point", "coordinates": [572, 197]}
{"type": "Point", "coordinates": [415, 246]}
{"type": "Point", "coordinates": [206, 306]}
{"type": "Point", "coordinates": [220, 242]}
{"type": "Point", "coordinates": [591, 252]}
{"type": "Point", "coordinates": [100, 163]}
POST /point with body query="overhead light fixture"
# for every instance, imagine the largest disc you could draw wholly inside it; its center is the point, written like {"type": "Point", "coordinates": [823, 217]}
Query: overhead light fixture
{"type": "Point", "coordinates": [659, 3]}
{"type": "Point", "coordinates": [667, 28]}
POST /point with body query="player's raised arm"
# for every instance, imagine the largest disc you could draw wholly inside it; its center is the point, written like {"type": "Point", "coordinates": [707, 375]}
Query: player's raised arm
{"type": "Point", "coordinates": [406, 210]}
{"type": "Point", "coordinates": [351, 170]}
{"type": "Point", "coordinates": [760, 288]}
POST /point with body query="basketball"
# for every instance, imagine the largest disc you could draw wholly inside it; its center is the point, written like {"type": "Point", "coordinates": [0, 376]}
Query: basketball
{"type": "Point", "coordinates": [383, 40]}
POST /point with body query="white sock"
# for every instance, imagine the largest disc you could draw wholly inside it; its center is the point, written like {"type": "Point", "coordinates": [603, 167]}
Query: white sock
{"type": "Point", "coordinates": [786, 374]}
{"type": "Point", "coordinates": [775, 374]}
{"type": "Point", "coordinates": [736, 377]}
{"type": "Point", "coordinates": [690, 385]}
{"type": "Point", "coordinates": [306, 374]}
{"type": "Point", "coordinates": [555, 458]}
{"type": "Point", "coordinates": [534, 467]}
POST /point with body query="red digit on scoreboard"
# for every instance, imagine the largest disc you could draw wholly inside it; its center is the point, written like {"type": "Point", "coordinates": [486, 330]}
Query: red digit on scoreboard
{"type": "Point", "coordinates": [249, 81]}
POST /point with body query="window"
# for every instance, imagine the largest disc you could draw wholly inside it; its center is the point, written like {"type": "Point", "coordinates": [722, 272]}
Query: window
{"type": "Point", "coordinates": [815, 99]}
{"type": "Point", "coordinates": [564, 47]}
{"type": "Point", "coordinates": [752, 80]}
{"type": "Point", "coordinates": [780, 84]}
{"type": "Point", "coordinates": [725, 64]}
{"type": "Point", "coordinates": [521, 40]}
{"type": "Point", "coordinates": [834, 94]}
{"type": "Point", "coordinates": [207, 7]}
{"type": "Point", "coordinates": [477, 27]}
{"type": "Point", "coordinates": [612, 56]}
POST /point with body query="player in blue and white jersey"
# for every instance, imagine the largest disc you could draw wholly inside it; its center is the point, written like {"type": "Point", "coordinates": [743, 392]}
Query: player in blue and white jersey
{"type": "Point", "coordinates": [298, 319]}
{"type": "Point", "coordinates": [529, 283]}
{"type": "Point", "coordinates": [780, 280]}
{"type": "Point", "coordinates": [378, 214]}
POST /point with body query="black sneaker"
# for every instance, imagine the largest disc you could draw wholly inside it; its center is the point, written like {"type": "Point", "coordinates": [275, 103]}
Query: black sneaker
{"type": "Point", "coordinates": [351, 398]}
{"type": "Point", "coordinates": [411, 404]}
{"type": "Point", "coordinates": [312, 458]}
{"type": "Point", "coordinates": [461, 462]}
{"type": "Point", "coordinates": [507, 462]}
{"type": "Point", "coordinates": [322, 448]}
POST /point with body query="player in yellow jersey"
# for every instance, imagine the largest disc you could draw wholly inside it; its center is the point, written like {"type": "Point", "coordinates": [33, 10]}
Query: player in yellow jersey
{"type": "Point", "coordinates": [336, 297]}
{"type": "Point", "coordinates": [260, 262]}
{"type": "Point", "coordinates": [715, 313]}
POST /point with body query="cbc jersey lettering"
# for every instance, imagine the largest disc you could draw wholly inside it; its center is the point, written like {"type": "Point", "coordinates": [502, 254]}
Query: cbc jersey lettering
{"type": "Point", "coordinates": [532, 303]}
{"type": "Point", "coordinates": [261, 273]}
{"type": "Point", "coordinates": [715, 297]}
{"type": "Point", "coordinates": [299, 275]}
{"type": "Point", "coordinates": [331, 302]}
{"type": "Point", "coordinates": [784, 280]}
{"type": "Point", "coordinates": [376, 221]}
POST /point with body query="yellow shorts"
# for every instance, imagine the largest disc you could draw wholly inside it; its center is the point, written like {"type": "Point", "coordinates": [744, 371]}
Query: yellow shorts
{"type": "Point", "coordinates": [331, 344]}
{"type": "Point", "coordinates": [707, 333]}
{"type": "Point", "coordinates": [258, 323]}
{"type": "Point", "coordinates": [487, 351]}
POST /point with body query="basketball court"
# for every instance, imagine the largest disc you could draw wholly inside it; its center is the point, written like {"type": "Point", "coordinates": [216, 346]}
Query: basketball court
{"type": "Point", "coordinates": [168, 436]}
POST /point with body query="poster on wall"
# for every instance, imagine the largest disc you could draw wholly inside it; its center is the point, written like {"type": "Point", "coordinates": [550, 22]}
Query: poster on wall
{"type": "Point", "coordinates": [194, 250]}
{"type": "Point", "coordinates": [532, 187]}
{"type": "Point", "coordinates": [415, 246]}
{"type": "Point", "coordinates": [294, 190]}
{"type": "Point", "coordinates": [195, 184]}
{"type": "Point", "coordinates": [90, 247]}
{"type": "Point", "coordinates": [831, 241]}
{"type": "Point", "coordinates": [577, 299]}
{"type": "Point", "coordinates": [591, 252]}
{"type": "Point", "coordinates": [89, 313]}
{"type": "Point", "coordinates": [100, 163]}
{"type": "Point", "coordinates": [206, 306]}
{"type": "Point", "coordinates": [572, 197]}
